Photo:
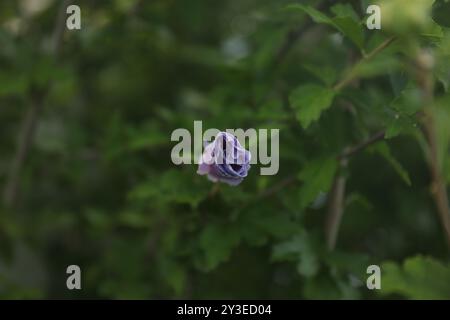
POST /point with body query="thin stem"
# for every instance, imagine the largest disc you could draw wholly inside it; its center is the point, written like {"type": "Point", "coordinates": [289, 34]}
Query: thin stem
{"type": "Point", "coordinates": [337, 193]}
{"type": "Point", "coordinates": [335, 207]}
{"type": "Point", "coordinates": [23, 145]}
{"type": "Point", "coordinates": [214, 190]}
{"type": "Point", "coordinates": [348, 152]}
{"type": "Point", "coordinates": [30, 119]}
{"type": "Point", "coordinates": [353, 72]}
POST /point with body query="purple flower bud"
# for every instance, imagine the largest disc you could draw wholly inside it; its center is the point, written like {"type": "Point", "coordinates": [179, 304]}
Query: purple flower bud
{"type": "Point", "coordinates": [225, 160]}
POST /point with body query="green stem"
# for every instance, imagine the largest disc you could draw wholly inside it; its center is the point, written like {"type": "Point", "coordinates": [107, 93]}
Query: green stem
{"type": "Point", "coordinates": [353, 72]}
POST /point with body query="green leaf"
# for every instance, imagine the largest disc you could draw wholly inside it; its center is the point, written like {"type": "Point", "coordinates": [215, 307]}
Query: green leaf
{"type": "Point", "coordinates": [315, 15]}
{"type": "Point", "coordinates": [149, 136]}
{"type": "Point", "coordinates": [271, 110]}
{"type": "Point", "coordinates": [258, 223]}
{"type": "Point", "coordinates": [299, 249]}
{"type": "Point", "coordinates": [351, 29]}
{"type": "Point", "coordinates": [382, 148]}
{"type": "Point", "coordinates": [352, 263]}
{"type": "Point", "coordinates": [309, 101]}
{"type": "Point", "coordinates": [173, 186]}
{"type": "Point", "coordinates": [399, 81]}
{"type": "Point", "coordinates": [317, 177]}
{"type": "Point", "coordinates": [345, 10]}
{"type": "Point", "coordinates": [383, 63]}
{"type": "Point", "coordinates": [418, 278]}
{"type": "Point", "coordinates": [175, 275]}
{"type": "Point", "coordinates": [400, 125]}
{"type": "Point", "coordinates": [441, 12]}
{"type": "Point", "coordinates": [433, 31]}
{"type": "Point", "coordinates": [217, 242]}
{"type": "Point", "coordinates": [326, 74]}
{"type": "Point", "coordinates": [406, 106]}
{"type": "Point", "coordinates": [344, 24]}
{"type": "Point", "coordinates": [133, 219]}
{"type": "Point", "coordinates": [409, 101]}
{"type": "Point", "coordinates": [323, 287]}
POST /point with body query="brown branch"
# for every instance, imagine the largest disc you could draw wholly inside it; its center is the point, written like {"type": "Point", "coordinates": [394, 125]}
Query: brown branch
{"type": "Point", "coordinates": [337, 194]}
{"type": "Point", "coordinates": [335, 206]}
{"type": "Point", "coordinates": [348, 152]}
{"type": "Point", "coordinates": [438, 186]}
{"type": "Point", "coordinates": [23, 145]}
{"type": "Point", "coordinates": [60, 26]}
{"type": "Point", "coordinates": [30, 120]}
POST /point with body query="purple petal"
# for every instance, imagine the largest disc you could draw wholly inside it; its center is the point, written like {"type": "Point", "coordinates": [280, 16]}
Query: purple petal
{"type": "Point", "coordinates": [225, 160]}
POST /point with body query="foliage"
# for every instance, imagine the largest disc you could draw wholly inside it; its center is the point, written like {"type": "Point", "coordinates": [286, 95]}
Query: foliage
{"type": "Point", "coordinates": [98, 188]}
{"type": "Point", "coordinates": [413, 278]}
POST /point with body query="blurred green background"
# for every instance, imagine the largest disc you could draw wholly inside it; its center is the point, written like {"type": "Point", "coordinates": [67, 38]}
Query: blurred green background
{"type": "Point", "coordinates": [87, 179]}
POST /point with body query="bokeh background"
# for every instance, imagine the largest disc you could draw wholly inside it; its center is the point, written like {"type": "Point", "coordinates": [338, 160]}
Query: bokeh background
{"type": "Point", "coordinates": [87, 179]}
